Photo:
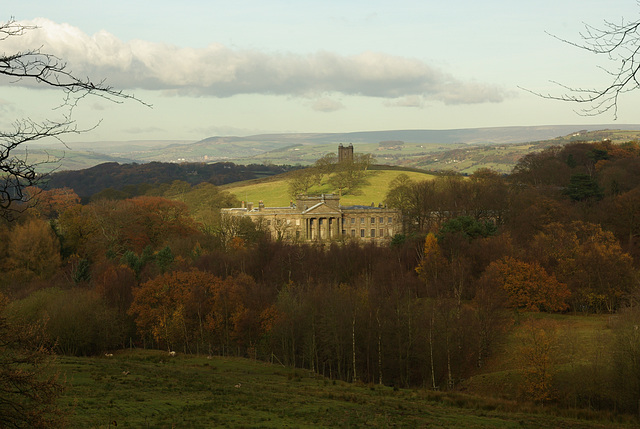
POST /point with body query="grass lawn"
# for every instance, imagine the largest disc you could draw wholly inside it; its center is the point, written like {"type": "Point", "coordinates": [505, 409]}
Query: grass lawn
{"type": "Point", "coordinates": [275, 191]}
{"type": "Point", "coordinates": [144, 388]}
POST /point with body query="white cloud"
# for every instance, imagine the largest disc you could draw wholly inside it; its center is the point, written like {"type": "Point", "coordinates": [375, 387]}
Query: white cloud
{"type": "Point", "coordinates": [220, 71]}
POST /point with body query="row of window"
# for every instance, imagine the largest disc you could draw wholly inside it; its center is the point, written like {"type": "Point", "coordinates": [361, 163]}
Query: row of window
{"type": "Point", "coordinates": [353, 221]}
{"type": "Point", "coordinates": [373, 220]}
{"type": "Point", "coordinates": [381, 233]}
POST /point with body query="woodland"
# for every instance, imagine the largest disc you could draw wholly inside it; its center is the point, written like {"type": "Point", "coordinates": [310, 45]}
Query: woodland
{"type": "Point", "coordinates": [119, 181]}
{"type": "Point", "coordinates": [479, 254]}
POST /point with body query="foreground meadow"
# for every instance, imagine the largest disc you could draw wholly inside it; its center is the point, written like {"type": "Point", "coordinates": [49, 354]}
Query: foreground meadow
{"type": "Point", "coordinates": [143, 388]}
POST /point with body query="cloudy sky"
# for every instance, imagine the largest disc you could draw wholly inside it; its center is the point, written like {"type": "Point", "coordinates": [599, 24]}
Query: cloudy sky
{"type": "Point", "coordinates": [260, 66]}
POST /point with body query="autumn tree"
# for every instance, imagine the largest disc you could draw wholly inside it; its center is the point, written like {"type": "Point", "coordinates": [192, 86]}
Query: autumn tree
{"type": "Point", "coordinates": [623, 214]}
{"type": "Point", "coordinates": [51, 203]}
{"type": "Point", "coordinates": [115, 283]}
{"type": "Point", "coordinates": [75, 321]}
{"type": "Point", "coordinates": [29, 388]}
{"type": "Point", "coordinates": [489, 196]}
{"type": "Point", "coordinates": [172, 308]}
{"type": "Point", "coordinates": [528, 285]}
{"type": "Point", "coordinates": [589, 260]}
{"type": "Point", "coordinates": [431, 264]}
{"type": "Point", "coordinates": [34, 250]}
{"type": "Point", "coordinates": [542, 169]}
{"type": "Point", "coordinates": [536, 358]}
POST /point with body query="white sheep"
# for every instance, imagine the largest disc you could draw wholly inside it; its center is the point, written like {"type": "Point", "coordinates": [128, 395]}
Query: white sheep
{"type": "Point", "coordinates": [108, 355]}
{"type": "Point", "coordinates": [172, 353]}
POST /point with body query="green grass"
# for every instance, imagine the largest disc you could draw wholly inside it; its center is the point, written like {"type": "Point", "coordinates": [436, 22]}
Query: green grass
{"type": "Point", "coordinates": [275, 191]}
{"type": "Point", "coordinates": [580, 340]}
{"type": "Point", "coordinates": [149, 389]}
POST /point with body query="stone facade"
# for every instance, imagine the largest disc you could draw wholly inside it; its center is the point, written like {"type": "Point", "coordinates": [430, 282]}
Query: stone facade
{"type": "Point", "coordinates": [322, 218]}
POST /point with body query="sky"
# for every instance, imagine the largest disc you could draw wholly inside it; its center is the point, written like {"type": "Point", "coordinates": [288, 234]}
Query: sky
{"type": "Point", "coordinates": [218, 68]}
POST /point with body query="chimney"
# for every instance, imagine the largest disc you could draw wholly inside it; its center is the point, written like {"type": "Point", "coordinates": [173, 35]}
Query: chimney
{"type": "Point", "coordinates": [260, 205]}
{"type": "Point", "coordinates": [244, 205]}
{"type": "Point", "coordinates": [249, 206]}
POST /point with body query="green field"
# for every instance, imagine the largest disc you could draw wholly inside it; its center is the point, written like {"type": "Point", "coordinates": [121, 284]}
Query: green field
{"type": "Point", "coordinates": [148, 388]}
{"type": "Point", "coordinates": [274, 192]}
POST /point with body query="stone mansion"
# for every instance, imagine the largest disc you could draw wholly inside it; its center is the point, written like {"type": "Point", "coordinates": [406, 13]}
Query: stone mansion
{"type": "Point", "coordinates": [322, 218]}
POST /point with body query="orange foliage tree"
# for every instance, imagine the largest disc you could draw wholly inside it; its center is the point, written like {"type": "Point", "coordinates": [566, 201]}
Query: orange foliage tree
{"type": "Point", "coordinates": [152, 221]}
{"type": "Point", "coordinates": [115, 283]}
{"type": "Point", "coordinates": [172, 307]}
{"type": "Point", "coordinates": [536, 360]}
{"type": "Point", "coordinates": [51, 203]}
{"type": "Point", "coordinates": [432, 263]}
{"type": "Point", "coordinates": [34, 250]}
{"type": "Point", "coordinates": [590, 261]}
{"type": "Point", "coordinates": [528, 285]}
{"type": "Point", "coordinates": [197, 310]}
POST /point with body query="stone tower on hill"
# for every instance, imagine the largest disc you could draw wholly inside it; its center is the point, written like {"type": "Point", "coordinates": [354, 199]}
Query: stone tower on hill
{"type": "Point", "coordinates": [345, 153]}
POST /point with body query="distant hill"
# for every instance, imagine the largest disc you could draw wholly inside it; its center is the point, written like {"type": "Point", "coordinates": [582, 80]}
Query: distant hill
{"type": "Point", "coordinates": [416, 148]}
{"type": "Point", "coordinates": [112, 175]}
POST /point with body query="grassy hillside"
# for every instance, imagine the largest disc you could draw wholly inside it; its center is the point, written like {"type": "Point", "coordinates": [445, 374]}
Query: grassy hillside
{"type": "Point", "coordinates": [275, 191]}
{"type": "Point", "coordinates": [503, 157]}
{"type": "Point", "coordinates": [144, 388]}
{"type": "Point", "coordinates": [578, 344]}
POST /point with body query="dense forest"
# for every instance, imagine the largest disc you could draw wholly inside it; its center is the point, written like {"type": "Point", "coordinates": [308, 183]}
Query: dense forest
{"type": "Point", "coordinates": [558, 235]}
{"type": "Point", "coordinates": [121, 181]}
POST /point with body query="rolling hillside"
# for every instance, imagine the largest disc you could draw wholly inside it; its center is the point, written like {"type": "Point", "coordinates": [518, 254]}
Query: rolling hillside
{"type": "Point", "coordinates": [461, 150]}
{"type": "Point", "coordinates": [274, 191]}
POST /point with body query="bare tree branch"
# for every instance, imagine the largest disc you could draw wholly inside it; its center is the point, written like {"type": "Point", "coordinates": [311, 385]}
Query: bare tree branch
{"type": "Point", "coordinates": [16, 172]}
{"type": "Point", "coordinates": [620, 43]}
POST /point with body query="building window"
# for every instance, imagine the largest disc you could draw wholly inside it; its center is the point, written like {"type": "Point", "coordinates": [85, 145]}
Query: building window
{"type": "Point", "coordinates": [373, 233]}
{"type": "Point", "coordinates": [353, 220]}
{"type": "Point", "coordinates": [297, 234]}
{"type": "Point", "coordinates": [361, 220]}
{"type": "Point", "coordinates": [373, 220]}
{"type": "Point", "coordinates": [297, 222]}
{"type": "Point", "coordinates": [390, 220]}
{"type": "Point", "coordinates": [353, 232]}
{"type": "Point", "coordinates": [381, 233]}
{"type": "Point", "coordinates": [362, 233]}
{"type": "Point", "coordinates": [381, 220]}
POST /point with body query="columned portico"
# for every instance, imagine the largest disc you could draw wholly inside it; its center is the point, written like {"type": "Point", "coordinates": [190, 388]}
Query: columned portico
{"type": "Point", "coordinates": [322, 218]}
{"type": "Point", "coordinates": [322, 228]}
